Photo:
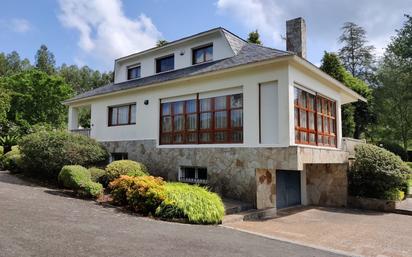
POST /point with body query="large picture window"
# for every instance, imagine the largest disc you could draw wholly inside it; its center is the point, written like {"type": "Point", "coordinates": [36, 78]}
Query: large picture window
{"type": "Point", "coordinates": [122, 115]}
{"type": "Point", "coordinates": [315, 119]}
{"type": "Point", "coordinates": [215, 120]}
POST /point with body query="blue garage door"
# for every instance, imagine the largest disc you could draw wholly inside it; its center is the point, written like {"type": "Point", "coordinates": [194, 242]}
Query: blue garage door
{"type": "Point", "coordinates": [287, 188]}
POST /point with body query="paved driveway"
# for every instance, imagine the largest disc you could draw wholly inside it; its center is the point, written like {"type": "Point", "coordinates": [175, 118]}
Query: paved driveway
{"type": "Point", "coordinates": [355, 231]}
{"type": "Point", "coordinates": [36, 221]}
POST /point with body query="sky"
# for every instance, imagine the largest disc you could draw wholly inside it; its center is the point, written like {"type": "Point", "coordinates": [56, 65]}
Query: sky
{"type": "Point", "coordinates": [95, 32]}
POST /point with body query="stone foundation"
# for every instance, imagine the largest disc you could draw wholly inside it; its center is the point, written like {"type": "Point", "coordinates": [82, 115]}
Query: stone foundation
{"type": "Point", "coordinates": [327, 184]}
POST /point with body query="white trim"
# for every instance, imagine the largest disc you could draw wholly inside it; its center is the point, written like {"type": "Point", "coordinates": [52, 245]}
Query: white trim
{"type": "Point", "coordinates": [221, 92]}
{"type": "Point", "coordinates": [302, 87]}
{"type": "Point", "coordinates": [178, 98]}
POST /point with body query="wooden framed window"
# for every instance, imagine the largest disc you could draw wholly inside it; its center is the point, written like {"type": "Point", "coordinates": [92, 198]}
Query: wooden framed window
{"type": "Point", "coordinates": [315, 119]}
{"type": "Point", "coordinates": [216, 120]}
{"type": "Point", "coordinates": [133, 72]}
{"type": "Point", "coordinates": [122, 115]}
{"type": "Point", "coordinates": [202, 54]}
{"type": "Point", "coordinates": [165, 63]}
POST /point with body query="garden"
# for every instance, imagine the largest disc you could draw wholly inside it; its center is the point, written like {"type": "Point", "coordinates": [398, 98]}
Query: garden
{"type": "Point", "coordinates": [78, 163]}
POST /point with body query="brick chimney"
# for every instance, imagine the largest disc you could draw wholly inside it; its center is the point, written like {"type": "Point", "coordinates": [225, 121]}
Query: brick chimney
{"type": "Point", "coordinates": [296, 36]}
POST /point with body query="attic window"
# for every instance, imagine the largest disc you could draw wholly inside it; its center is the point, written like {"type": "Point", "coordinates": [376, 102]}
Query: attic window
{"type": "Point", "coordinates": [165, 63]}
{"type": "Point", "coordinates": [203, 54]}
{"type": "Point", "coordinates": [133, 72]}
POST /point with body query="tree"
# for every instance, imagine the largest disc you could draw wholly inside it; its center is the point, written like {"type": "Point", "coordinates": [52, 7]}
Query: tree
{"type": "Point", "coordinates": [4, 104]}
{"type": "Point", "coordinates": [36, 98]}
{"type": "Point", "coordinates": [13, 63]}
{"type": "Point", "coordinates": [161, 42]}
{"type": "Point", "coordinates": [44, 60]}
{"type": "Point", "coordinates": [356, 116]}
{"type": "Point", "coordinates": [394, 95]}
{"type": "Point", "coordinates": [355, 54]}
{"type": "Point", "coordinates": [254, 37]}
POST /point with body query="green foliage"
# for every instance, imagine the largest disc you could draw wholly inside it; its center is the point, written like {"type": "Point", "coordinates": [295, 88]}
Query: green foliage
{"type": "Point", "coordinates": [7, 142]}
{"type": "Point", "coordinates": [394, 148]}
{"type": "Point", "coordinates": [36, 97]}
{"type": "Point", "coordinates": [125, 167]}
{"type": "Point", "coordinates": [254, 37]}
{"type": "Point", "coordinates": [12, 160]}
{"type": "Point", "coordinates": [409, 164]}
{"type": "Point", "coordinates": [77, 178]}
{"type": "Point", "coordinates": [97, 175]}
{"type": "Point", "coordinates": [161, 42]}
{"type": "Point", "coordinates": [376, 172]}
{"type": "Point", "coordinates": [46, 152]}
{"type": "Point", "coordinates": [1, 151]}
{"type": "Point", "coordinates": [5, 100]}
{"type": "Point", "coordinates": [194, 203]}
{"type": "Point", "coordinates": [142, 194]}
{"type": "Point", "coordinates": [44, 60]}
{"type": "Point", "coordinates": [394, 194]}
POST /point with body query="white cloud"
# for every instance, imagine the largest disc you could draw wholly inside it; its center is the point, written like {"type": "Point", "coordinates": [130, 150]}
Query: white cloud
{"type": "Point", "coordinates": [16, 25]}
{"type": "Point", "coordinates": [105, 31]}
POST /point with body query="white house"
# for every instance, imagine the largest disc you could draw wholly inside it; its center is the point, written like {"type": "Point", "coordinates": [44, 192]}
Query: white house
{"type": "Point", "coordinates": [252, 122]}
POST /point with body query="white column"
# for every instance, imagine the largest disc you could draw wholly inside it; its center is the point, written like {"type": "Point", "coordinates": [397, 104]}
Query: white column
{"type": "Point", "coordinates": [73, 118]}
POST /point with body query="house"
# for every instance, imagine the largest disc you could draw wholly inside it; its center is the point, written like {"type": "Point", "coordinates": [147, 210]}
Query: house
{"type": "Point", "coordinates": [253, 123]}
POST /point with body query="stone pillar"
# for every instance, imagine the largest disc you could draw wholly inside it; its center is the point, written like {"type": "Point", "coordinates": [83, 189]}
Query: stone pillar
{"type": "Point", "coordinates": [265, 188]}
{"type": "Point", "coordinates": [296, 36]}
{"type": "Point", "coordinates": [73, 122]}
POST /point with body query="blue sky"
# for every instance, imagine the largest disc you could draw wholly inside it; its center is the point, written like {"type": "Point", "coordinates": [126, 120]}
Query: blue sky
{"type": "Point", "coordinates": [94, 32]}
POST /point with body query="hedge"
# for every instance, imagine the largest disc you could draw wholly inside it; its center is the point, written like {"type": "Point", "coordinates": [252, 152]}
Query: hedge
{"type": "Point", "coordinates": [125, 167]}
{"type": "Point", "coordinates": [377, 173]}
{"type": "Point", "coordinates": [78, 178]}
{"type": "Point", "coordinates": [46, 152]}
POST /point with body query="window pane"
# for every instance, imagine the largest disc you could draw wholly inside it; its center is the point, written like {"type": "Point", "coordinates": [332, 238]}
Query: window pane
{"type": "Point", "coordinates": [166, 109]}
{"type": "Point", "coordinates": [220, 102]}
{"type": "Point", "coordinates": [220, 136]}
{"type": "Point", "coordinates": [302, 99]}
{"type": "Point", "coordinates": [319, 121]}
{"type": "Point", "coordinates": [311, 120]}
{"type": "Point", "coordinates": [166, 124]}
{"type": "Point", "coordinates": [189, 173]}
{"type": "Point", "coordinates": [133, 114]}
{"type": "Point", "coordinates": [198, 56]}
{"type": "Point", "coordinates": [206, 120]}
{"type": "Point", "coordinates": [303, 123]}
{"type": "Point", "coordinates": [236, 101]}
{"type": "Point", "coordinates": [190, 106]}
{"type": "Point", "coordinates": [319, 104]}
{"type": "Point", "coordinates": [178, 138]}
{"type": "Point", "coordinates": [320, 140]}
{"type": "Point", "coordinates": [205, 104]}
{"type": "Point", "coordinates": [325, 125]}
{"type": "Point", "coordinates": [191, 122]}
{"type": "Point", "coordinates": [311, 102]}
{"type": "Point", "coordinates": [205, 137]}
{"type": "Point", "coordinates": [192, 138]}
{"type": "Point", "coordinates": [209, 53]}
{"type": "Point", "coordinates": [296, 95]}
{"type": "Point", "coordinates": [133, 73]}
{"type": "Point", "coordinates": [303, 137]}
{"type": "Point", "coordinates": [296, 117]}
{"type": "Point", "coordinates": [221, 120]}
{"type": "Point", "coordinates": [166, 139]}
{"type": "Point", "coordinates": [178, 107]}
{"type": "Point", "coordinates": [237, 118]}
{"type": "Point", "coordinates": [296, 135]}
{"type": "Point", "coordinates": [312, 138]}
{"type": "Point", "coordinates": [123, 115]}
{"type": "Point", "coordinates": [202, 173]}
{"type": "Point", "coordinates": [114, 116]}
{"type": "Point", "coordinates": [165, 64]}
{"type": "Point", "coordinates": [237, 136]}
{"type": "Point", "coordinates": [178, 122]}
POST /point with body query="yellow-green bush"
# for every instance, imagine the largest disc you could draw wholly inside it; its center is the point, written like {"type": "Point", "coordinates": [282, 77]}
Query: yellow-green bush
{"type": "Point", "coordinates": [78, 178]}
{"type": "Point", "coordinates": [97, 174]}
{"type": "Point", "coordinates": [125, 167]}
{"type": "Point", "coordinates": [12, 161]}
{"type": "Point", "coordinates": [394, 194]}
{"type": "Point", "coordinates": [191, 202]}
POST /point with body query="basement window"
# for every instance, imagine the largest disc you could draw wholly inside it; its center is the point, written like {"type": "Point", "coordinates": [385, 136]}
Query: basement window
{"type": "Point", "coordinates": [197, 175]}
{"type": "Point", "coordinates": [118, 156]}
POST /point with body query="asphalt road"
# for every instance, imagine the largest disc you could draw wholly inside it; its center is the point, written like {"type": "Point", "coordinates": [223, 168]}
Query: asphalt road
{"type": "Point", "coordinates": [37, 221]}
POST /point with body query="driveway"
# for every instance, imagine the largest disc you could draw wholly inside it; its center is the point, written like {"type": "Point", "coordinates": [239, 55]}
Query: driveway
{"type": "Point", "coordinates": [37, 221]}
{"type": "Point", "coordinates": [358, 232]}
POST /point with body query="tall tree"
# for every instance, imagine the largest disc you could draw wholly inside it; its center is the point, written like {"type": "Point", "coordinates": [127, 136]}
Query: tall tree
{"type": "Point", "coordinates": [44, 60]}
{"type": "Point", "coordinates": [356, 55]}
{"type": "Point", "coordinates": [394, 95]}
{"type": "Point", "coordinates": [254, 37]}
{"type": "Point", "coordinates": [356, 116]}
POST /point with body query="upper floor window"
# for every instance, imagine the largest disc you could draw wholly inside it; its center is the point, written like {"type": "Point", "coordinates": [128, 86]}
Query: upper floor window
{"type": "Point", "coordinates": [203, 54]}
{"type": "Point", "coordinates": [315, 119]}
{"type": "Point", "coordinates": [216, 120]}
{"type": "Point", "coordinates": [122, 115]}
{"type": "Point", "coordinates": [133, 72]}
{"type": "Point", "coordinates": [165, 63]}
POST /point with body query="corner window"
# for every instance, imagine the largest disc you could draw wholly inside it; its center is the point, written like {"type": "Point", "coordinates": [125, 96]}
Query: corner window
{"type": "Point", "coordinates": [165, 63]}
{"type": "Point", "coordinates": [193, 175]}
{"type": "Point", "coordinates": [133, 72]}
{"type": "Point", "coordinates": [315, 119]}
{"type": "Point", "coordinates": [122, 115]}
{"type": "Point", "coordinates": [203, 54]}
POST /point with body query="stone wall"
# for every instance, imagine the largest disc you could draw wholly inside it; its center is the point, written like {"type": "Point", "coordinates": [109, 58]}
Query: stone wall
{"type": "Point", "coordinates": [265, 188]}
{"type": "Point", "coordinates": [231, 171]}
{"type": "Point", "coordinates": [327, 184]}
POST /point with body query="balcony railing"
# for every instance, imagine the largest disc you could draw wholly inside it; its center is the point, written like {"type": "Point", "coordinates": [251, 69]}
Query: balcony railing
{"type": "Point", "coordinates": [84, 131]}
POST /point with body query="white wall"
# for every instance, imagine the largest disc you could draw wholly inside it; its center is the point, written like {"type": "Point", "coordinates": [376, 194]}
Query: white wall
{"type": "Point", "coordinates": [221, 50]}
{"type": "Point", "coordinates": [269, 112]}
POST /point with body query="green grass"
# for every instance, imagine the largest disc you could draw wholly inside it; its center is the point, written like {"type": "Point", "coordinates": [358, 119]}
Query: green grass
{"type": "Point", "coordinates": [194, 203]}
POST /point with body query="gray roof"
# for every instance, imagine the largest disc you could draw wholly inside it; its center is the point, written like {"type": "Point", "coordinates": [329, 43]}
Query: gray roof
{"type": "Point", "coordinates": [248, 53]}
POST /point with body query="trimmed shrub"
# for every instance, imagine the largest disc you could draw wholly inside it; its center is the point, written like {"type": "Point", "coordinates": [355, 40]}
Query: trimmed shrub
{"type": "Point", "coordinates": [12, 161]}
{"type": "Point", "coordinates": [142, 194]}
{"type": "Point", "coordinates": [73, 176]}
{"type": "Point", "coordinates": [125, 167]}
{"type": "Point", "coordinates": [376, 172]}
{"type": "Point", "coordinates": [96, 174]}
{"type": "Point", "coordinates": [191, 202]}
{"type": "Point", "coordinates": [46, 152]}
{"type": "Point", "coordinates": [91, 189]}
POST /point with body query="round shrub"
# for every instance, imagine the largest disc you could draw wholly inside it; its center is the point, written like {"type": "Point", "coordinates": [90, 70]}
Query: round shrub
{"type": "Point", "coordinates": [73, 176]}
{"type": "Point", "coordinates": [97, 174]}
{"type": "Point", "coordinates": [119, 188]}
{"type": "Point", "coordinates": [12, 161]}
{"type": "Point", "coordinates": [46, 152]}
{"type": "Point", "coordinates": [376, 172]}
{"type": "Point", "coordinates": [91, 189]}
{"type": "Point", "coordinates": [125, 167]}
{"type": "Point", "coordinates": [191, 202]}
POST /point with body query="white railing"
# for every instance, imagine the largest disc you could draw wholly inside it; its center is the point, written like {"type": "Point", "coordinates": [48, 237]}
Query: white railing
{"type": "Point", "coordinates": [84, 131]}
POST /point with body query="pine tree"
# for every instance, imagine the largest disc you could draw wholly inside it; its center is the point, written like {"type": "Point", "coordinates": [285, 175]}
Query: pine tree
{"type": "Point", "coordinates": [44, 60]}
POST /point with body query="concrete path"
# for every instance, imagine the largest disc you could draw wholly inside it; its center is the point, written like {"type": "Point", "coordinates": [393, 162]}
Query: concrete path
{"type": "Point", "coordinates": [37, 221]}
{"type": "Point", "coordinates": [358, 232]}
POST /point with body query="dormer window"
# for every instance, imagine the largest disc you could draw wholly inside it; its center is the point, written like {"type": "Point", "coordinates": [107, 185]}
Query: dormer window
{"type": "Point", "coordinates": [133, 72]}
{"type": "Point", "coordinates": [203, 54]}
{"type": "Point", "coordinates": [165, 63]}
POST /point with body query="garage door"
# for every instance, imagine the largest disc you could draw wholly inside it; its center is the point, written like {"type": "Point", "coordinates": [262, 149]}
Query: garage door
{"type": "Point", "coordinates": [287, 188]}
